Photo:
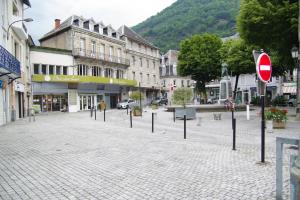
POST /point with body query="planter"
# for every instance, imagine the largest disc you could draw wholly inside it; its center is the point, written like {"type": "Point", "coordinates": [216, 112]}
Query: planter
{"type": "Point", "coordinates": [269, 126]}
{"type": "Point", "coordinates": [189, 112]}
{"type": "Point", "coordinates": [137, 113]}
{"type": "Point", "coordinates": [279, 124]}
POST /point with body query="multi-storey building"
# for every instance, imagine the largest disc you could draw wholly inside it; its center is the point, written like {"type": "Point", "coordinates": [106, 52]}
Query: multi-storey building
{"type": "Point", "coordinates": [15, 88]}
{"type": "Point", "coordinates": [98, 71]}
{"type": "Point", "coordinates": [170, 80]}
{"type": "Point", "coordinates": [144, 63]}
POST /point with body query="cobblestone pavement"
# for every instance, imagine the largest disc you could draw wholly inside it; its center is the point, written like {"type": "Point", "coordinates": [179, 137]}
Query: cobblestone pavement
{"type": "Point", "coordinates": [73, 156]}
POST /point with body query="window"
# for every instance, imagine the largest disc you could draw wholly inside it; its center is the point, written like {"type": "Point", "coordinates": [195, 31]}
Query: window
{"type": "Point", "coordinates": [119, 55]}
{"type": "Point", "coordinates": [148, 78]}
{"type": "Point", "coordinates": [65, 70]}
{"type": "Point", "coordinates": [141, 77]}
{"type": "Point", "coordinates": [82, 46]}
{"type": "Point", "coordinates": [110, 53]}
{"type": "Point", "coordinates": [96, 71]}
{"type": "Point", "coordinates": [153, 64]}
{"type": "Point", "coordinates": [51, 69]}
{"type": "Point", "coordinates": [86, 24]}
{"type": "Point", "coordinates": [82, 70]}
{"type": "Point", "coordinates": [164, 83]}
{"type": "Point", "coordinates": [133, 60]}
{"type": "Point", "coordinates": [102, 51]}
{"type": "Point", "coordinates": [76, 22]}
{"type": "Point", "coordinates": [58, 70]}
{"type": "Point", "coordinates": [141, 62]}
{"type": "Point", "coordinates": [133, 75]}
{"type": "Point", "coordinates": [44, 69]}
{"type": "Point", "coordinates": [154, 79]}
{"type": "Point", "coordinates": [93, 47]}
{"type": "Point", "coordinates": [36, 68]}
{"type": "Point", "coordinates": [120, 74]}
{"type": "Point", "coordinates": [108, 73]}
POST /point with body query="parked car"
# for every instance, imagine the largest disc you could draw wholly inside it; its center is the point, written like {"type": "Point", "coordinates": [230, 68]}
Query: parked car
{"type": "Point", "coordinates": [126, 103]}
{"type": "Point", "coordinates": [213, 100]}
{"type": "Point", "coordinates": [292, 102]}
{"type": "Point", "coordinates": [160, 101]}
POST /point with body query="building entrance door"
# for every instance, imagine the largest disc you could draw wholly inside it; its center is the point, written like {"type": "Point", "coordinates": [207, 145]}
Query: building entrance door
{"type": "Point", "coordinates": [87, 102]}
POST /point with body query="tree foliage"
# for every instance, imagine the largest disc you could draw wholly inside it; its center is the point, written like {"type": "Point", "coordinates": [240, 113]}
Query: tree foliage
{"type": "Point", "coordinates": [272, 26]}
{"type": "Point", "coordinates": [182, 96]}
{"type": "Point", "coordinates": [199, 57]}
{"type": "Point", "coordinates": [185, 18]}
{"type": "Point", "coordinates": [135, 95]}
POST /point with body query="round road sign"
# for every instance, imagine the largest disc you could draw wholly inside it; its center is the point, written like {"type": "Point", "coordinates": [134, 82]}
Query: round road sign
{"type": "Point", "coordinates": [264, 67]}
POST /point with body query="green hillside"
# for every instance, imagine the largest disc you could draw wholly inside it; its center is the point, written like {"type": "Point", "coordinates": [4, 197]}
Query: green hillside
{"type": "Point", "coordinates": [188, 17]}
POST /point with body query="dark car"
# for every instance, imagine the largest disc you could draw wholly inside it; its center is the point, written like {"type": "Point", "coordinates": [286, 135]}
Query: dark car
{"type": "Point", "coordinates": [160, 101]}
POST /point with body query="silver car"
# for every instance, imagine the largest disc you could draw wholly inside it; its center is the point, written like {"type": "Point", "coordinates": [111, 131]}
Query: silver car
{"type": "Point", "coordinates": [126, 103]}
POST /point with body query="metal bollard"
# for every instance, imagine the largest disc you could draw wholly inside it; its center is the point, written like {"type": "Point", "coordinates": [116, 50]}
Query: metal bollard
{"type": "Point", "coordinates": [184, 126]}
{"type": "Point", "coordinates": [92, 111]}
{"type": "Point", "coordinates": [234, 134]}
{"type": "Point", "coordinates": [130, 119]}
{"type": "Point", "coordinates": [152, 122]}
{"type": "Point", "coordinates": [104, 114]}
{"type": "Point", "coordinates": [174, 118]}
{"type": "Point", "coordinates": [127, 109]}
{"type": "Point", "coordinates": [95, 114]}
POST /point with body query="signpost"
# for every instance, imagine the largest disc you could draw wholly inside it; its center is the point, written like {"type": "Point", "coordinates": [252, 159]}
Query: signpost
{"type": "Point", "coordinates": [264, 73]}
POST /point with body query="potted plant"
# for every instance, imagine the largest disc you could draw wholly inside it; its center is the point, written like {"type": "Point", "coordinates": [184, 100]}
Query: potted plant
{"type": "Point", "coordinates": [278, 116]}
{"type": "Point", "coordinates": [137, 96]}
{"type": "Point", "coordinates": [269, 121]}
{"type": "Point", "coordinates": [182, 96]}
{"type": "Point", "coordinates": [136, 111]}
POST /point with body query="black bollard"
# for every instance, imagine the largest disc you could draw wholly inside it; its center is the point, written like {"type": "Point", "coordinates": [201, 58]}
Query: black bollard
{"type": "Point", "coordinates": [130, 119]}
{"type": "Point", "coordinates": [262, 128]}
{"type": "Point", "coordinates": [92, 111]}
{"type": "Point", "coordinates": [104, 114]}
{"type": "Point", "coordinates": [184, 126]}
{"type": "Point", "coordinates": [174, 118]}
{"type": "Point", "coordinates": [234, 134]}
{"type": "Point", "coordinates": [127, 109]}
{"type": "Point", "coordinates": [152, 122]}
{"type": "Point", "coordinates": [95, 114]}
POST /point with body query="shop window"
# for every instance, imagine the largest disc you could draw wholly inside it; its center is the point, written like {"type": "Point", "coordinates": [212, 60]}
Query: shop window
{"type": "Point", "coordinates": [36, 68]}
{"type": "Point", "coordinates": [65, 70]}
{"type": "Point", "coordinates": [51, 69]}
{"type": "Point", "coordinates": [44, 69]}
{"type": "Point", "coordinates": [58, 70]}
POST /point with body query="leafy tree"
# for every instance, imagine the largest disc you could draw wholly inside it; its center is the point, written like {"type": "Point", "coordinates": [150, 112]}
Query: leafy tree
{"type": "Point", "coordinates": [238, 55]}
{"type": "Point", "coordinates": [272, 26]}
{"type": "Point", "coordinates": [135, 95]}
{"type": "Point", "coordinates": [182, 96]}
{"type": "Point", "coordinates": [200, 58]}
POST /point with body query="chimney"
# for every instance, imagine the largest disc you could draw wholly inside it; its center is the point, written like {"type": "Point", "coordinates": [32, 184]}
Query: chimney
{"type": "Point", "coordinates": [57, 23]}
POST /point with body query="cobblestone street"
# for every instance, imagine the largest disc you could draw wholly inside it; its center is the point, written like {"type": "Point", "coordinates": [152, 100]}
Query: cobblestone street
{"type": "Point", "coordinates": [72, 156]}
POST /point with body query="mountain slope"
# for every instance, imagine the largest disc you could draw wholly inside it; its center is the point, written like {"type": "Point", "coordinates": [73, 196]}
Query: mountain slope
{"type": "Point", "coordinates": [188, 17]}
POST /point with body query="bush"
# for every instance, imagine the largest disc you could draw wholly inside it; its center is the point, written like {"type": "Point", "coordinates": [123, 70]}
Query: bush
{"type": "Point", "coordinates": [182, 96]}
{"type": "Point", "coordinates": [276, 114]}
{"type": "Point", "coordinates": [136, 95]}
{"type": "Point", "coordinates": [279, 101]}
{"type": "Point", "coordinates": [255, 101]}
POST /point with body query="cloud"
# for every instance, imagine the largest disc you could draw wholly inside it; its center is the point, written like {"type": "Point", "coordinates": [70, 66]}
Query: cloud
{"type": "Point", "coordinates": [114, 12]}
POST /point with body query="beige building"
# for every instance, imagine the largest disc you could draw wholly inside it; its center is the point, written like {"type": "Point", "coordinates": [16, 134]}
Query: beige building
{"type": "Point", "coordinates": [170, 80]}
{"type": "Point", "coordinates": [15, 87]}
{"type": "Point", "coordinates": [100, 65]}
{"type": "Point", "coordinates": [144, 63]}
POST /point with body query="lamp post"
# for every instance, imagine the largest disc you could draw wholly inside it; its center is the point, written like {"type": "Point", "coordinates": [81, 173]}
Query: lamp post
{"type": "Point", "coordinates": [295, 56]}
{"type": "Point", "coordinates": [21, 20]}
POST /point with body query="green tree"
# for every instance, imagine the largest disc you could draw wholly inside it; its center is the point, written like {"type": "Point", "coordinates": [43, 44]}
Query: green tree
{"type": "Point", "coordinates": [272, 26]}
{"type": "Point", "coordinates": [182, 96]}
{"type": "Point", "coordinates": [136, 95]}
{"type": "Point", "coordinates": [199, 57]}
{"type": "Point", "coordinates": [238, 55]}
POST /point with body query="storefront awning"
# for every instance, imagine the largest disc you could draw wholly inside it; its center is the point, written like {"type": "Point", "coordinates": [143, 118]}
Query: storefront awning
{"type": "Point", "coordinates": [289, 89]}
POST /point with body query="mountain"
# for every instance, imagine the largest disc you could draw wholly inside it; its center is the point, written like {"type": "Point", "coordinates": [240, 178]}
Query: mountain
{"type": "Point", "coordinates": [185, 18]}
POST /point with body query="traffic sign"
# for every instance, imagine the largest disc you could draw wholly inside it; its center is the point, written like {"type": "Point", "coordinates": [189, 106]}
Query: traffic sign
{"type": "Point", "coordinates": [264, 67]}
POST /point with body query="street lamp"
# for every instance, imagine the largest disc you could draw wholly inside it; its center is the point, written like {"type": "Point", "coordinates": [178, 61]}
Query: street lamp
{"type": "Point", "coordinates": [21, 20]}
{"type": "Point", "coordinates": [295, 56]}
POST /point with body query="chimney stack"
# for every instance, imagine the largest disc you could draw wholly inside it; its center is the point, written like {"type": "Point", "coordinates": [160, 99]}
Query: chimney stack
{"type": "Point", "coordinates": [57, 23]}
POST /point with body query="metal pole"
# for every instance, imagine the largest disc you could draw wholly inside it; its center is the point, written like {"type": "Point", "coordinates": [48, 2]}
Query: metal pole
{"type": "Point", "coordinates": [174, 117]}
{"type": "Point", "coordinates": [95, 114]}
{"type": "Point", "coordinates": [234, 134]}
{"type": "Point", "coordinates": [92, 111]}
{"type": "Point", "coordinates": [104, 114]}
{"type": "Point", "coordinates": [184, 126]}
{"type": "Point", "coordinates": [262, 128]}
{"type": "Point", "coordinates": [130, 119]}
{"type": "Point", "coordinates": [152, 122]}
{"type": "Point", "coordinates": [232, 118]}
{"type": "Point", "coordinates": [127, 109]}
{"type": "Point", "coordinates": [298, 91]}
{"type": "Point", "coordinates": [140, 99]}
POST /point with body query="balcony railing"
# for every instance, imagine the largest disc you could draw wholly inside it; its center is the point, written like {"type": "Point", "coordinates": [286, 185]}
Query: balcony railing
{"type": "Point", "coordinates": [100, 56]}
{"type": "Point", "coordinates": [8, 62]}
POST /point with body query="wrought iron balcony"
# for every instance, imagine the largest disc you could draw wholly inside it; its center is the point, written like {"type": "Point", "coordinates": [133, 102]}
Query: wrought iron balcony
{"type": "Point", "coordinates": [8, 63]}
{"type": "Point", "coordinates": [77, 52]}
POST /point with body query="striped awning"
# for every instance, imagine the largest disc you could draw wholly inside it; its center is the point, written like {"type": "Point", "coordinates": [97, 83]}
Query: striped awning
{"type": "Point", "coordinates": [289, 89]}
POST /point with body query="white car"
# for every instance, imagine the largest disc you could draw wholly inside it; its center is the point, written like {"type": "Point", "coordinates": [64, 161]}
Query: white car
{"type": "Point", "coordinates": [127, 103]}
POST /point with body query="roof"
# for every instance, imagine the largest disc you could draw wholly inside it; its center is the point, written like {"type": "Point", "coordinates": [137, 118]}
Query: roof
{"type": "Point", "coordinates": [131, 34]}
{"type": "Point", "coordinates": [27, 2]}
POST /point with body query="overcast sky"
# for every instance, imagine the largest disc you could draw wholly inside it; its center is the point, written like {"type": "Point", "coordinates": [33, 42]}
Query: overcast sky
{"type": "Point", "coordinates": [114, 12]}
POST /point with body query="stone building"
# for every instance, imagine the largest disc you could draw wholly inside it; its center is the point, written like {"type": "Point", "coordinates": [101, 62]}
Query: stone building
{"type": "Point", "coordinates": [15, 87]}
{"type": "Point", "coordinates": [170, 80]}
{"type": "Point", "coordinates": [99, 69]}
{"type": "Point", "coordinates": [144, 63]}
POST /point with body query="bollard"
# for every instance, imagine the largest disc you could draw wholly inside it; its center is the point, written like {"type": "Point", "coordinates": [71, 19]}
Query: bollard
{"type": "Point", "coordinates": [127, 109]}
{"type": "Point", "coordinates": [130, 119]}
{"type": "Point", "coordinates": [92, 111]}
{"type": "Point", "coordinates": [152, 122]}
{"type": "Point", "coordinates": [184, 126]}
{"type": "Point", "coordinates": [248, 112]}
{"type": "Point", "coordinates": [262, 128]}
{"type": "Point", "coordinates": [29, 114]}
{"type": "Point", "coordinates": [174, 118]}
{"type": "Point", "coordinates": [234, 134]}
{"type": "Point", "coordinates": [104, 114]}
{"type": "Point", "coordinates": [95, 114]}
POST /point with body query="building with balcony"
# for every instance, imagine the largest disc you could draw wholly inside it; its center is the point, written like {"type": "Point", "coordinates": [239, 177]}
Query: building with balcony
{"type": "Point", "coordinates": [99, 60]}
{"type": "Point", "coordinates": [15, 87]}
{"type": "Point", "coordinates": [144, 63]}
{"type": "Point", "coordinates": [169, 78]}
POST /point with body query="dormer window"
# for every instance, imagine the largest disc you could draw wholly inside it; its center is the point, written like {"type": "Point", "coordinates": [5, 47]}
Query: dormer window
{"type": "Point", "coordinates": [96, 28]}
{"type": "Point", "coordinates": [86, 24]}
{"type": "Point", "coordinates": [114, 35]}
{"type": "Point", "coordinates": [105, 31]}
{"type": "Point", "coordinates": [76, 22]}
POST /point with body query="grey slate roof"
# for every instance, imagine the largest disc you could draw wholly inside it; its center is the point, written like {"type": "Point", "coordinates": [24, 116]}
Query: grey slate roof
{"type": "Point", "coordinates": [131, 34]}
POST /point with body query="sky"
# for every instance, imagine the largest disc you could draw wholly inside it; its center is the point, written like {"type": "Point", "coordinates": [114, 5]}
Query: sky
{"type": "Point", "coordinates": [114, 12]}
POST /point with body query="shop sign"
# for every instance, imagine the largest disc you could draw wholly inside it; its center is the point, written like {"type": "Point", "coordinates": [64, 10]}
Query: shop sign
{"type": "Point", "coordinates": [19, 87]}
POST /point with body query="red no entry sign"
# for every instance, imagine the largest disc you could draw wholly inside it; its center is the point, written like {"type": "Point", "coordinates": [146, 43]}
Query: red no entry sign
{"type": "Point", "coordinates": [264, 67]}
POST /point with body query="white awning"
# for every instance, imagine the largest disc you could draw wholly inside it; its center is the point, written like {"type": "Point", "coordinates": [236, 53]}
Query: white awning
{"type": "Point", "coordinates": [289, 89]}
